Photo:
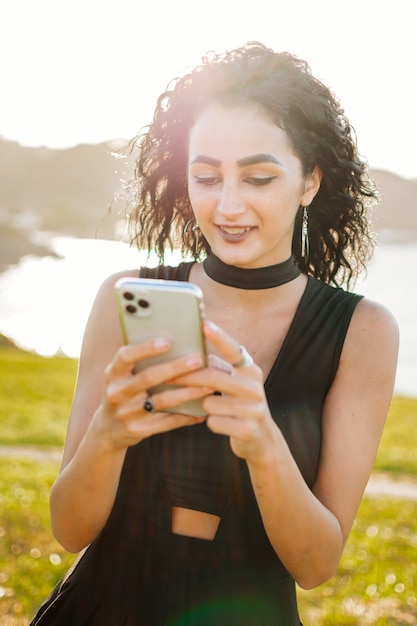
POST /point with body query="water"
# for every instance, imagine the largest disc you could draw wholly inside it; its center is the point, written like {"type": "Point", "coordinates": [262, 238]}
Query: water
{"type": "Point", "coordinates": [45, 302]}
{"type": "Point", "coordinates": [388, 282]}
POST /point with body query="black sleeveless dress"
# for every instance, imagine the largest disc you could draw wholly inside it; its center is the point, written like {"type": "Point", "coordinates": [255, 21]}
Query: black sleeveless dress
{"type": "Point", "coordinates": [137, 573]}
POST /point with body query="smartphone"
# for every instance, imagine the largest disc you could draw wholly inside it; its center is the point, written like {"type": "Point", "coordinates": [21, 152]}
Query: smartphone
{"type": "Point", "coordinates": [151, 308]}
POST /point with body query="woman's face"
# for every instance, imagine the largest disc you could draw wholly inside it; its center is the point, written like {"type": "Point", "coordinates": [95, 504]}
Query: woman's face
{"type": "Point", "coordinates": [245, 185]}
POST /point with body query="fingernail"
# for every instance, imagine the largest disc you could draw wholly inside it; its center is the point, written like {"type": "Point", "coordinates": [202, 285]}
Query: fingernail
{"type": "Point", "coordinates": [194, 360]}
{"type": "Point", "coordinates": [160, 342]}
{"type": "Point", "coordinates": [211, 325]}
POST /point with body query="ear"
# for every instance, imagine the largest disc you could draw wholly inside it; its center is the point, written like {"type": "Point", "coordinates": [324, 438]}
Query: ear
{"type": "Point", "coordinates": [311, 186]}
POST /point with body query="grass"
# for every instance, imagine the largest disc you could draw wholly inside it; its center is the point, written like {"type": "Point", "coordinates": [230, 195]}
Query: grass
{"type": "Point", "coordinates": [397, 452]}
{"type": "Point", "coordinates": [31, 561]}
{"type": "Point", "coordinates": [36, 394]}
{"type": "Point", "coordinates": [375, 581]}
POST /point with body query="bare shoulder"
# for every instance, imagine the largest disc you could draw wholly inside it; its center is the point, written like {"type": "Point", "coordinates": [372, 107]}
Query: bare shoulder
{"type": "Point", "coordinates": [373, 327]}
{"type": "Point", "coordinates": [107, 288]}
{"type": "Point", "coordinates": [103, 320]}
{"type": "Point", "coordinates": [368, 362]}
{"type": "Point", "coordinates": [370, 310]}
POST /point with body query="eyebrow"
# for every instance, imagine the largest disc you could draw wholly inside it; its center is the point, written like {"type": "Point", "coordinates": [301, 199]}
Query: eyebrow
{"type": "Point", "coordinates": [249, 160]}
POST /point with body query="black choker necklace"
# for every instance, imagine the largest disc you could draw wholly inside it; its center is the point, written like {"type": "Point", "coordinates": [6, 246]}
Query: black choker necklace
{"type": "Point", "coordinates": [255, 278]}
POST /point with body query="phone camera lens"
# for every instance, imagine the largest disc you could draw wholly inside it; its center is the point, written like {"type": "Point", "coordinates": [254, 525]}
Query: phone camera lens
{"type": "Point", "coordinates": [128, 295]}
{"type": "Point", "coordinates": [130, 308]}
{"type": "Point", "coordinates": [144, 304]}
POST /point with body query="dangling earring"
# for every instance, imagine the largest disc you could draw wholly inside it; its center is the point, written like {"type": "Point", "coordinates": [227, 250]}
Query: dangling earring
{"type": "Point", "coordinates": [305, 245]}
{"type": "Point", "coordinates": [196, 230]}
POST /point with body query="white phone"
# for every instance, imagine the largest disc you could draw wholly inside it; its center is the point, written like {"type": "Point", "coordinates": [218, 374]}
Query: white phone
{"type": "Point", "coordinates": [151, 308]}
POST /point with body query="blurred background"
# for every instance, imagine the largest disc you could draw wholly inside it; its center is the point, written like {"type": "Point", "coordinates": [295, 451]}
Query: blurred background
{"type": "Point", "coordinates": [79, 79]}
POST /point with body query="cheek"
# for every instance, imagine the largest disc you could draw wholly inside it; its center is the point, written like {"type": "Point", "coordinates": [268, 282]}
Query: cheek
{"type": "Point", "coordinates": [193, 195]}
{"type": "Point", "coordinates": [201, 197]}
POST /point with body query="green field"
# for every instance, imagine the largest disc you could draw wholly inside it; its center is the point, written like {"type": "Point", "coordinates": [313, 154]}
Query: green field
{"type": "Point", "coordinates": [375, 583]}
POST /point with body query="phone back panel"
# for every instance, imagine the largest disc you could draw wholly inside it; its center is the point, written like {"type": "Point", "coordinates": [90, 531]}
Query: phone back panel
{"type": "Point", "coordinates": [150, 308]}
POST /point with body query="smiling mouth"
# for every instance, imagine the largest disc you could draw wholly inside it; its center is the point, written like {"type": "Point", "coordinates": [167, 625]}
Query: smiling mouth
{"type": "Point", "coordinates": [237, 230]}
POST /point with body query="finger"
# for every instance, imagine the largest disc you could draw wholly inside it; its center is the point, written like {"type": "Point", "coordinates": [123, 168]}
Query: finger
{"type": "Point", "coordinates": [128, 384]}
{"type": "Point", "coordinates": [174, 396]}
{"type": "Point", "coordinates": [157, 423]}
{"type": "Point", "coordinates": [247, 387]}
{"type": "Point", "coordinates": [241, 408]}
{"type": "Point", "coordinates": [220, 364]}
{"type": "Point", "coordinates": [226, 345]}
{"type": "Point", "coordinates": [146, 415]}
{"type": "Point", "coordinates": [233, 352]}
{"type": "Point", "coordinates": [123, 399]}
{"type": "Point", "coordinates": [134, 428]}
{"type": "Point", "coordinates": [155, 375]}
{"type": "Point", "coordinates": [127, 356]}
{"type": "Point", "coordinates": [163, 400]}
{"type": "Point", "coordinates": [248, 439]}
{"type": "Point", "coordinates": [225, 425]}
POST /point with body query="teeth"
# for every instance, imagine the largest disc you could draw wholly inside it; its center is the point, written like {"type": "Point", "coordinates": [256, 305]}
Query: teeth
{"type": "Point", "coordinates": [235, 231]}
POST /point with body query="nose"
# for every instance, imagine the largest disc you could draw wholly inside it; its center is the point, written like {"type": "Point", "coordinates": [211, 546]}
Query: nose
{"type": "Point", "coordinates": [231, 202]}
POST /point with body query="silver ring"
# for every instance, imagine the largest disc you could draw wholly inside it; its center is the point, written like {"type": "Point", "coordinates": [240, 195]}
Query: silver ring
{"type": "Point", "coordinates": [245, 358]}
{"type": "Point", "coordinates": [148, 405]}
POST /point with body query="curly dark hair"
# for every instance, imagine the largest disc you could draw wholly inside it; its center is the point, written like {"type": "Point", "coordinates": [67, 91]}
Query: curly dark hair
{"type": "Point", "coordinates": [283, 87]}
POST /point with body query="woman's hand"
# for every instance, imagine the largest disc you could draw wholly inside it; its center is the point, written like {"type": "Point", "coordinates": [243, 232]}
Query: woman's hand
{"type": "Point", "coordinates": [239, 409]}
{"type": "Point", "coordinates": [128, 413]}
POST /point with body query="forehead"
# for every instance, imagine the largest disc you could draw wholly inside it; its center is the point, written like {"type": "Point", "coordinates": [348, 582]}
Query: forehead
{"type": "Point", "coordinates": [237, 130]}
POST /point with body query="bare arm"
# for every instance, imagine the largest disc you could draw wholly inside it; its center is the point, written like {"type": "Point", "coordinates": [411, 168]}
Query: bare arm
{"type": "Point", "coordinates": [308, 528]}
{"type": "Point", "coordinates": [107, 417]}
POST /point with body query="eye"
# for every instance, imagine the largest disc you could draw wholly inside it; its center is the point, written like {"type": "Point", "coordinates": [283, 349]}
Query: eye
{"type": "Point", "coordinates": [206, 180]}
{"type": "Point", "coordinates": [260, 180]}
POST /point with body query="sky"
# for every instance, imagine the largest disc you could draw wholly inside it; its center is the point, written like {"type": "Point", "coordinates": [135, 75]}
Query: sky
{"type": "Point", "coordinates": [86, 71]}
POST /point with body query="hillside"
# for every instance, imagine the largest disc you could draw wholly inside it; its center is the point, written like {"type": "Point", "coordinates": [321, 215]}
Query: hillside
{"type": "Point", "coordinates": [397, 210]}
{"type": "Point", "coordinates": [71, 191]}
{"type": "Point", "coordinates": [61, 191]}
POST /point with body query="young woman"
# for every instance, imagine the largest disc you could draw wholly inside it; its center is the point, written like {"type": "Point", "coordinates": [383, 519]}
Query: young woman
{"type": "Point", "coordinates": [250, 163]}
